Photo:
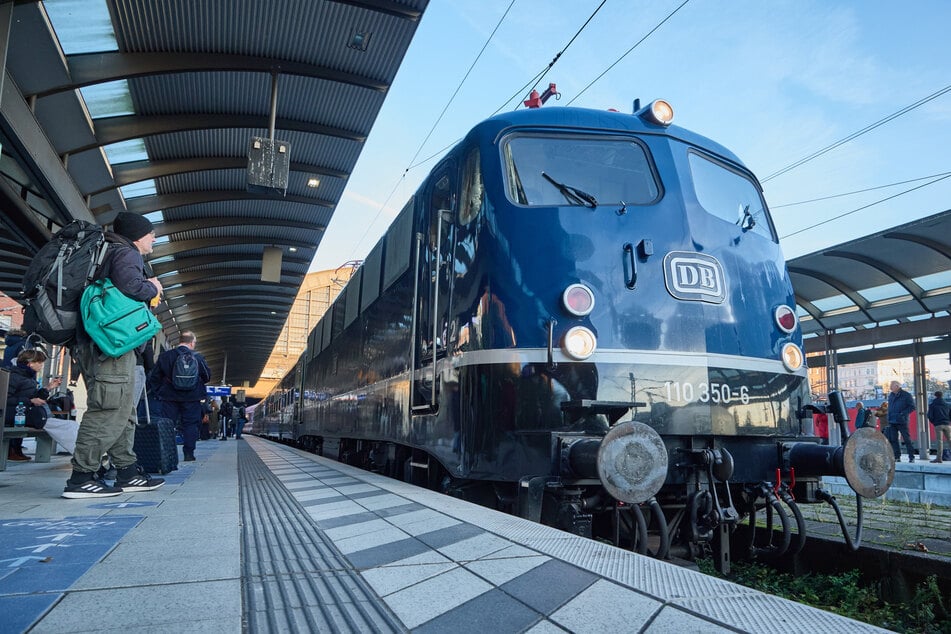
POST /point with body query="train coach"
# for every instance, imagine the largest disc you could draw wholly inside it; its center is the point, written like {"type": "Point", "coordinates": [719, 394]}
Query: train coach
{"type": "Point", "coordinates": [584, 318]}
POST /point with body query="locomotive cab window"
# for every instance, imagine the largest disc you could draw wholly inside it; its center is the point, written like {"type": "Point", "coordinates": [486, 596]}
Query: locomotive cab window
{"type": "Point", "coordinates": [729, 195]}
{"type": "Point", "coordinates": [545, 171]}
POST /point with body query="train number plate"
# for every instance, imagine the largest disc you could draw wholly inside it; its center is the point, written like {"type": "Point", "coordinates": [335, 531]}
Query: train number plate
{"type": "Point", "coordinates": [718, 393]}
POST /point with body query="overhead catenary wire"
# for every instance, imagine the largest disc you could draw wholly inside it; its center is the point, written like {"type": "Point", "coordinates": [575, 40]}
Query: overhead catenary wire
{"type": "Point", "coordinates": [859, 133]}
{"type": "Point", "coordinates": [542, 74]}
{"type": "Point", "coordinates": [433, 128]}
{"type": "Point", "coordinates": [849, 213]}
{"type": "Point", "coordinates": [858, 191]}
{"type": "Point", "coordinates": [521, 92]}
{"type": "Point", "coordinates": [458, 87]}
{"type": "Point", "coordinates": [628, 52]}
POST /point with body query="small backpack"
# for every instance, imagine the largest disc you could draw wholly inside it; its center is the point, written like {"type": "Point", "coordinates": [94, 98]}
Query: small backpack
{"type": "Point", "coordinates": [185, 372]}
{"type": "Point", "coordinates": [56, 278]}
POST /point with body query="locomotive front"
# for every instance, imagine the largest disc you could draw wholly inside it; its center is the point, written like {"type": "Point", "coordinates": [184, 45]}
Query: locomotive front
{"type": "Point", "coordinates": [653, 372]}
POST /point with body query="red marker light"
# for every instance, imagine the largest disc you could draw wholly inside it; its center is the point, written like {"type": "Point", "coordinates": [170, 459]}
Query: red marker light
{"type": "Point", "coordinates": [786, 319]}
{"type": "Point", "coordinates": [578, 300]}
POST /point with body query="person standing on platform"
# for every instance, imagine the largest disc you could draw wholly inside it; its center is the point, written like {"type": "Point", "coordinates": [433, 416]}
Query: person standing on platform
{"type": "Point", "coordinates": [108, 426]}
{"type": "Point", "coordinates": [882, 415]}
{"type": "Point", "coordinates": [225, 414]}
{"type": "Point", "coordinates": [240, 419]}
{"type": "Point", "coordinates": [213, 419]}
{"type": "Point", "coordinates": [940, 416]}
{"type": "Point", "coordinates": [178, 381]}
{"type": "Point", "coordinates": [862, 416]}
{"type": "Point", "coordinates": [900, 407]}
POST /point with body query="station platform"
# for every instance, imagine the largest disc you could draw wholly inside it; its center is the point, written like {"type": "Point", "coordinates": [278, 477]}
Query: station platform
{"type": "Point", "coordinates": [259, 537]}
{"type": "Point", "coordinates": [918, 482]}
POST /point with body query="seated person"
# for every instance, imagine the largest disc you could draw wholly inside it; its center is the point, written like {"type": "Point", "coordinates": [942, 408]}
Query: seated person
{"type": "Point", "coordinates": [23, 389]}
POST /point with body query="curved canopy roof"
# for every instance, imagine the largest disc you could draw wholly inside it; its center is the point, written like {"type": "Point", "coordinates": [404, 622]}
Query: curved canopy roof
{"type": "Point", "coordinates": [112, 105]}
{"type": "Point", "coordinates": [897, 276]}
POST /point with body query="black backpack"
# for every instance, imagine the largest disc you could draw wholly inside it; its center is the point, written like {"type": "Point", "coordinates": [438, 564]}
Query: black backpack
{"type": "Point", "coordinates": [185, 372]}
{"type": "Point", "coordinates": [56, 278]}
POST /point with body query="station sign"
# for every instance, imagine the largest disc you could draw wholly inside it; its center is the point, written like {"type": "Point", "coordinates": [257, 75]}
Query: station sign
{"type": "Point", "coordinates": [218, 390]}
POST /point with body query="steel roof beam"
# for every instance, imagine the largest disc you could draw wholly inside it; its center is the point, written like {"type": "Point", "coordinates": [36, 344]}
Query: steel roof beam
{"type": "Point", "coordinates": [197, 224]}
{"type": "Point", "coordinates": [247, 289]}
{"type": "Point", "coordinates": [860, 302]}
{"type": "Point", "coordinates": [88, 69]}
{"type": "Point", "coordinates": [178, 246]}
{"type": "Point", "coordinates": [909, 285]}
{"type": "Point", "coordinates": [185, 263]}
{"type": "Point", "coordinates": [25, 139]}
{"type": "Point", "coordinates": [138, 171]}
{"type": "Point", "coordinates": [934, 327]}
{"type": "Point", "coordinates": [810, 308]}
{"type": "Point", "coordinates": [111, 130]}
{"type": "Point", "coordinates": [388, 7]}
{"type": "Point", "coordinates": [923, 348]}
{"type": "Point", "coordinates": [246, 309]}
{"type": "Point", "coordinates": [925, 241]}
{"type": "Point", "coordinates": [159, 202]}
{"type": "Point", "coordinates": [238, 276]}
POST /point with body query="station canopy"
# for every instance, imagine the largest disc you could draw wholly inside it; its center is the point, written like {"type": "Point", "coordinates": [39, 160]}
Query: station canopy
{"type": "Point", "coordinates": [151, 107]}
{"type": "Point", "coordinates": [888, 286]}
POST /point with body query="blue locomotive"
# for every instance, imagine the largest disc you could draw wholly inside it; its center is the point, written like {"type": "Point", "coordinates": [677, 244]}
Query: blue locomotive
{"type": "Point", "coordinates": [584, 318]}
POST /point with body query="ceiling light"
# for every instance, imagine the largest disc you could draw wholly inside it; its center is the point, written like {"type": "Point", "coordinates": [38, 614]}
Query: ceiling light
{"type": "Point", "coordinates": [292, 249]}
{"type": "Point", "coordinates": [359, 40]}
{"type": "Point", "coordinates": [313, 181]}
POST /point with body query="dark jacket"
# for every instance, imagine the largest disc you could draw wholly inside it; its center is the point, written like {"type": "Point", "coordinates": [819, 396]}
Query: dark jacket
{"type": "Point", "coordinates": [15, 345]}
{"type": "Point", "coordinates": [160, 379]}
{"type": "Point", "coordinates": [900, 406]}
{"type": "Point", "coordinates": [939, 413]}
{"type": "Point", "coordinates": [22, 388]}
{"type": "Point", "coordinates": [862, 416]}
{"type": "Point", "coordinates": [145, 356]}
{"type": "Point", "coordinates": [123, 265]}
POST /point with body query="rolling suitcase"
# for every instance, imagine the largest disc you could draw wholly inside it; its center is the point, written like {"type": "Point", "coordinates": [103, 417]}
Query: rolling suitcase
{"type": "Point", "coordinates": [154, 444]}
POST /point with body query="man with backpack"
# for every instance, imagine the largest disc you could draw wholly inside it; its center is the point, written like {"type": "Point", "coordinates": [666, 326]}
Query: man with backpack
{"type": "Point", "coordinates": [108, 426]}
{"type": "Point", "coordinates": [178, 381]}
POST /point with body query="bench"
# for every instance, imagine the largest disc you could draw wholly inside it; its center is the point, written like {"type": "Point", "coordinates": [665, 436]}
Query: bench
{"type": "Point", "coordinates": [44, 443]}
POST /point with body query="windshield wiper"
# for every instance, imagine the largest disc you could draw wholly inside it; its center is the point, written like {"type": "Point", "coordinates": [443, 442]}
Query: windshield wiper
{"type": "Point", "coordinates": [573, 194]}
{"type": "Point", "coordinates": [746, 221]}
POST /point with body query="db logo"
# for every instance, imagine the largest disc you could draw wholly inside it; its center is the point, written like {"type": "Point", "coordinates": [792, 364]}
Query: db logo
{"type": "Point", "coordinates": [694, 276]}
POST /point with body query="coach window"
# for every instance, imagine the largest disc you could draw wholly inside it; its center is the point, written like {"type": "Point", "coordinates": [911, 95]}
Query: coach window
{"type": "Point", "coordinates": [613, 170]}
{"type": "Point", "coordinates": [729, 195]}
{"type": "Point", "coordinates": [473, 192]}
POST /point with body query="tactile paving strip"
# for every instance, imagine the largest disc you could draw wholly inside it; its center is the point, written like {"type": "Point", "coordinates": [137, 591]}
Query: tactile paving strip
{"type": "Point", "coordinates": [293, 578]}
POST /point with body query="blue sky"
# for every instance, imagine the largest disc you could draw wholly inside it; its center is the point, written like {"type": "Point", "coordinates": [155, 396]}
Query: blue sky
{"type": "Point", "coordinates": [773, 81]}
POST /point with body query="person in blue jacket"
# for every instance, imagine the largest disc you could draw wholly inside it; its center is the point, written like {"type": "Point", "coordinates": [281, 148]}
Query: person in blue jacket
{"type": "Point", "coordinates": [900, 407]}
{"type": "Point", "coordinates": [15, 342]}
{"type": "Point", "coordinates": [180, 388]}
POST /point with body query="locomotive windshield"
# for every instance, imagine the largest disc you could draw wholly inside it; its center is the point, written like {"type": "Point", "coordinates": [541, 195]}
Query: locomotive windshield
{"type": "Point", "coordinates": [729, 195]}
{"type": "Point", "coordinates": [610, 170]}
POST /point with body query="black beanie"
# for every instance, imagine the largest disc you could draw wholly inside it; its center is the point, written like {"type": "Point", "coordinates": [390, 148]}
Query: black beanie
{"type": "Point", "coordinates": [132, 226]}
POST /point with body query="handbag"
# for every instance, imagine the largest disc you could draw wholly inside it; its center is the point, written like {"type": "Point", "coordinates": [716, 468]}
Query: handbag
{"type": "Point", "coordinates": [116, 322]}
{"type": "Point", "coordinates": [37, 415]}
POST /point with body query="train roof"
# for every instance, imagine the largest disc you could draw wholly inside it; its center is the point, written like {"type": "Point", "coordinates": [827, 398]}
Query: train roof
{"type": "Point", "coordinates": [606, 120]}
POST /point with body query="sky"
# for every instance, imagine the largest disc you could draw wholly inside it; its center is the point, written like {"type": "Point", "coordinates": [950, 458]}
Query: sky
{"type": "Point", "coordinates": [773, 81]}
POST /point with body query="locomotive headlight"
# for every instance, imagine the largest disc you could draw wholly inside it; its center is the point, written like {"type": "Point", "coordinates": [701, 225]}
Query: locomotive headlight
{"type": "Point", "coordinates": [580, 343]}
{"type": "Point", "coordinates": [792, 357]}
{"type": "Point", "coordinates": [786, 318]}
{"type": "Point", "coordinates": [578, 300]}
{"type": "Point", "coordinates": [659, 112]}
